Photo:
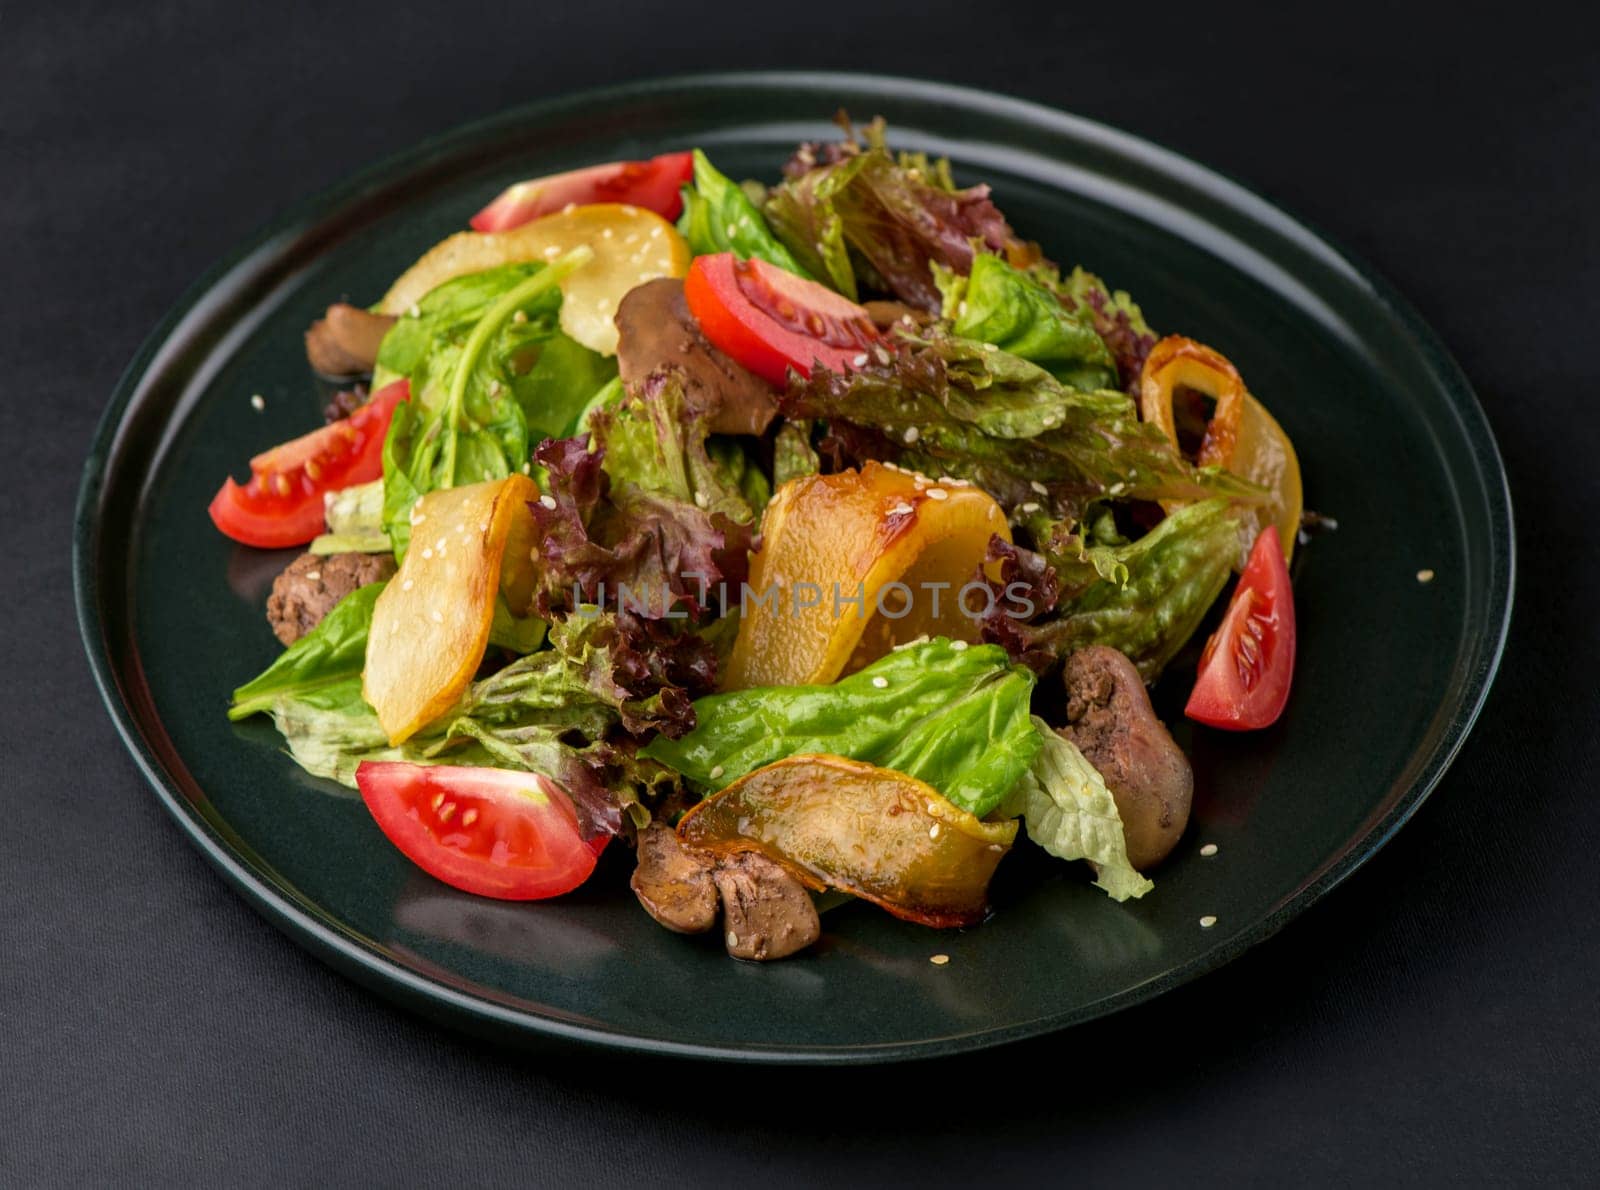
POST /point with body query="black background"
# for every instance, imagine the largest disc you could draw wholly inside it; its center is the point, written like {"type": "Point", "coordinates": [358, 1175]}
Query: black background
{"type": "Point", "coordinates": [1437, 1017]}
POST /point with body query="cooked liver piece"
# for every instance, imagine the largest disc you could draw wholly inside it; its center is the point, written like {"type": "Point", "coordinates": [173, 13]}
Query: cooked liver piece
{"type": "Point", "coordinates": [308, 589]}
{"type": "Point", "coordinates": [766, 911]}
{"type": "Point", "coordinates": [1110, 719]}
{"type": "Point", "coordinates": [656, 330]}
{"type": "Point", "coordinates": [344, 341]}
{"type": "Point", "coordinates": [673, 881]}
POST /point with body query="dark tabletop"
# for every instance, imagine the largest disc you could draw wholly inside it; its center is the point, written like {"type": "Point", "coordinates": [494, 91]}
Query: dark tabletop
{"type": "Point", "coordinates": [1438, 1016]}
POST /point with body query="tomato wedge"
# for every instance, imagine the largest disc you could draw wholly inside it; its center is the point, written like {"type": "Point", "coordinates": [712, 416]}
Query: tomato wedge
{"type": "Point", "coordinates": [491, 832]}
{"type": "Point", "coordinates": [281, 505]}
{"type": "Point", "coordinates": [656, 185]}
{"type": "Point", "coordinates": [1248, 663]}
{"type": "Point", "coordinates": [769, 320]}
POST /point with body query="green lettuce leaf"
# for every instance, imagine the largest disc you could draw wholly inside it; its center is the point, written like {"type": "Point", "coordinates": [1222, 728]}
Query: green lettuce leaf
{"type": "Point", "coordinates": [466, 421]}
{"type": "Point", "coordinates": [1002, 305]}
{"type": "Point", "coordinates": [1072, 815]}
{"type": "Point", "coordinates": [952, 716]}
{"type": "Point", "coordinates": [718, 216]}
{"type": "Point", "coordinates": [1145, 598]}
{"type": "Point", "coordinates": [330, 653]}
{"type": "Point", "coordinates": [1116, 317]}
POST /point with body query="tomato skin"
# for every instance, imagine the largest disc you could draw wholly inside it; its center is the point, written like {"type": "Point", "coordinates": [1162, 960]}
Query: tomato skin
{"type": "Point", "coordinates": [491, 832]}
{"type": "Point", "coordinates": [656, 185]}
{"type": "Point", "coordinates": [281, 504]}
{"type": "Point", "coordinates": [770, 320]}
{"type": "Point", "coordinates": [1248, 664]}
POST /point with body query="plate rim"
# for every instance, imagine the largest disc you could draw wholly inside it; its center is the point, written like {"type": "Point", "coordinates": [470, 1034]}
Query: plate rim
{"type": "Point", "coordinates": [346, 952]}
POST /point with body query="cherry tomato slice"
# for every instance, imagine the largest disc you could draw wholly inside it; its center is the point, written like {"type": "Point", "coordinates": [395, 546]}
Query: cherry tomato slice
{"type": "Point", "coordinates": [281, 505]}
{"type": "Point", "coordinates": [1248, 664]}
{"type": "Point", "coordinates": [769, 320]}
{"type": "Point", "coordinates": [656, 185]}
{"type": "Point", "coordinates": [491, 832]}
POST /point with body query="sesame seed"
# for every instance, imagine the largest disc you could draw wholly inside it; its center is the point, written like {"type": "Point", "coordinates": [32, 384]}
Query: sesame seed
{"type": "Point", "coordinates": [519, 316]}
{"type": "Point", "coordinates": [1424, 576]}
{"type": "Point", "coordinates": [313, 575]}
{"type": "Point", "coordinates": [938, 494]}
{"type": "Point", "coordinates": [1117, 489]}
{"type": "Point", "coordinates": [496, 388]}
{"type": "Point", "coordinates": [912, 434]}
{"type": "Point", "coordinates": [939, 960]}
{"type": "Point", "coordinates": [440, 544]}
{"type": "Point", "coordinates": [860, 360]}
{"type": "Point", "coordinates": [258, 402]}
{"type": "Point", "coordinates": [415, 311]}
{"type": "Point", "coordinates": [483, 526]}
{"type": "Point", "coordinates": [901, 509]}
{"type": "Point", "coordinates": [1038, 487]}
{"type": "Point", "coordinates": [717, 771]}
{"type": "Point", "coordinates": [655, 233]}
{"type": "Point", "coordinates": [436, 616]}
{"type": "Point", "coordinates": [407, 585]}
{"type": "Point", "coordinates": [569, 208]}
{"type": "Point", "coordinates": [933, 831]}
{"type": "Point", "coordinates": [552, 252]}
{"type": "Point", "coordinates": [957, 646]}
{"type": "Point", "coordinates": [426, 554]}
{"type": "Point", "coordinates": [733, 939]}
{"type": "Point", "coordinates": [702, 499]}
{"type": "Point", "coordinates": [961, 309]}
{"type": "Point", "coordinates": [1209, 849]}
{"type": "Point", "coordinates": [990, 347]}
{"type": "Point", "coordinates": [629, 210]}
{"type": "Point", "coordinates": [733, 230]}
{"type": "Point", "coordinates": [882, 354]}
{"type": "Point", "coordinates": [606, 233]}
{"type": "Point", "coordinates": [880, 683]}
{"type": "Point", "coordinates": [1030, 506]}
{"type": "Point", "coordinates": [418, 517]}
{"type": "Point", "coordinates": [548, 501]}
{"type": "Point", "coordinates": [1207, 922]}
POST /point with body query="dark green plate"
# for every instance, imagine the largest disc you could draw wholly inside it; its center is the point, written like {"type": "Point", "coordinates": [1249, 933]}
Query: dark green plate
{"type": "Point", "coordinates": [1391, 671]}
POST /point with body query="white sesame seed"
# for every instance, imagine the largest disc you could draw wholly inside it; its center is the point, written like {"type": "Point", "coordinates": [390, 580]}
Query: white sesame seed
{"type": "Point", "coordinates": [629, 210]}
{"type": "Point", "coordinates": [436, 616]}
{"type": "Point", "coordinates": [519, 316]}
{"type": "Point", "coordinates": [1030, 506]}
{"type": "Point", "coordinates": [426, 554]}
{"type": "Point", "coordinates": [1209, 849]}
{"type": "Point", "coordinates": [547, 501]}
{"type": "Point", "coordinates": [860, 360]}
{"type": "Point", "coordinates": [407, 585]}
{"type": "Point", "coordinates": [882, 354]}
{"type": "Point", "coordinates": [483, 526]}
{"type": "Point", "coordinates": [880, 683]}
{"type": "Point", "coordinates": [733, 230]}
{"type": "Point", "coordinates": [717, 771]}
{"type": "Point", "coordinates": [418, 517]}
{"type": "Point", "coordinates": [938, 494]}
{"type": "Point", "coordinates": [939, 960]}
{"type": "Point", "coordinates": [1207, 922]}
{"type": "Point", "coordinates": [912, 434]}
{"type": "Point", "coordinates": [933, 831]}
{"type": "Point", "coordinates": [901, 509]}
{"type": "Point", "coordinates": [313, 575]}
{"type": "Point", "coordinates": [1038, 487]}
{"type": "Point", "coordinates": [440, 544]}
{"type": "Point", "coordinates": [990, 347]}
{"type": "Point", "coordinates": [258, 402]}
{"type": "Point", "coordinates": [1424, 576]}
{"type": "Point", "coordinates": [957, 646]}
{"type": "Point", "coordinates": [569, 208]}
{"type": "Point", "coordinates": [655, 233]}
{"type": "Point", "coordinates": [702, 499]}
{"type": "Point", "coordinates": [606, 233]}
{"type": "Point", "coordinates": [496, 388]}
{"type": "Point", "coordinates": [415, 311]}
{"type": "Point", "coordinates": [733, 939]}
{"type": "Point", "coordinates": [961, 309]}
{"type": "Point", "coordinates": [1117, 489]}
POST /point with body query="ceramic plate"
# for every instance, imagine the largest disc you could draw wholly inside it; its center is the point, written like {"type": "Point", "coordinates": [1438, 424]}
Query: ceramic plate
{"type": "Point", "coordinates": [1391, 670]}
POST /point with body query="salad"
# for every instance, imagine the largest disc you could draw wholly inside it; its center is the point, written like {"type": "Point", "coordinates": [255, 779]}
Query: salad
{"type": "Point", "coordinates": [815, 537]}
